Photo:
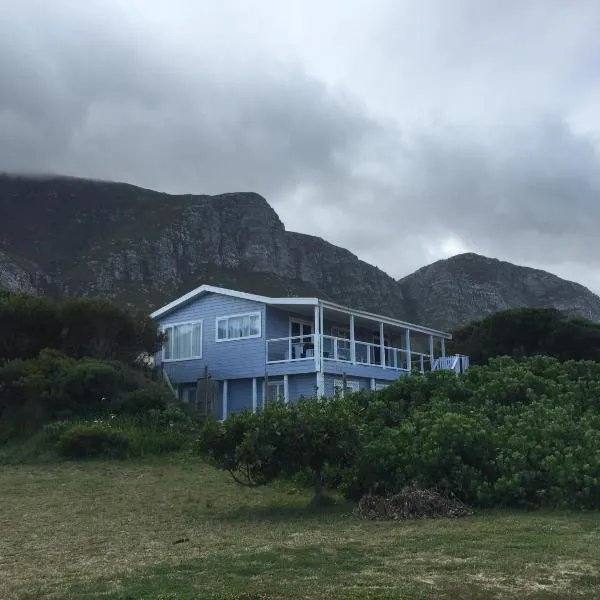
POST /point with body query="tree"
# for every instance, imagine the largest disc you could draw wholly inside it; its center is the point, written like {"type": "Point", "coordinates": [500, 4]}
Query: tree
{"type": "Point", "coordinates": [527, 332]}
{"type": "Point", "coordinates": [28, 324]}
{"type": "Point", "coordinates": [98, 328]}
{"type": "Point", "coordinates": [283, 440]}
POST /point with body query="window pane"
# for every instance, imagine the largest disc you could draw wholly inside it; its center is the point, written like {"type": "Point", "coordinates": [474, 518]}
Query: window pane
{"type": "Point", "coordinates": [222, 329]}
{"type": "Point", "coordinates": [197, 339]}
{"type": "Point", "coordinates": [183, 340]}
{"type": "Point", "coordinates": [235, 327]}
{"type": "Point", "coordinates": [255, 325]}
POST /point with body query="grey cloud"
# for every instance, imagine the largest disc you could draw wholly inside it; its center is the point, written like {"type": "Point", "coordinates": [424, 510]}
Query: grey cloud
{"type": "Point", "coordinates": [335, 130]}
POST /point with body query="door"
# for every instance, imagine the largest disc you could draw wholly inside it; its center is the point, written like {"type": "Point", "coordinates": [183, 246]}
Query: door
{"type": "Point", "coordinates": [302, 343]}
{"type": "Point", "coordinates": [376, 356]}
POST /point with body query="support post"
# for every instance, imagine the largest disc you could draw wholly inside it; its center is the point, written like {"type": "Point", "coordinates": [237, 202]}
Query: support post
{"type": "Point", "coordinates": [286, 389]}
{"type": "Point", "coordinates": [352, 344]}
{"type": "Point", "coordinates": [381, 346]}
{"type": "Point", "coordinates": [318, 338]}
{"type": "Point", "coordinates": [407, 344]}
{"type": "Point", "coordinates": [443, 347]}
{"type": "Point", "coordinates": [320, 384]}
{"type": "Point", "coordinates": [431, 356]}
{"type": "Point", "coordinates": [254, 395]}
{"type": "Point", "coordinates": [225, 393]}
{"type": "Point", "coordinates": [372, 384]}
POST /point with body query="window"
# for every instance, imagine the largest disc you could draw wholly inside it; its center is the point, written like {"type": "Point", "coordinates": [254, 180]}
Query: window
{"type": "Point", "coordinates": [238, 327]}
{"type": "Point", "coordinates": [351, 386]}
{"type": "Point", "coordinates": [276, 391]}
{"type": "Point", "coordinates": [184, 340]}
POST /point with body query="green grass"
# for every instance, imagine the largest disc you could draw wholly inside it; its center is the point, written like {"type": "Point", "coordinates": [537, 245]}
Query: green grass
{"type": "Point", "coordinates": [109, 530]}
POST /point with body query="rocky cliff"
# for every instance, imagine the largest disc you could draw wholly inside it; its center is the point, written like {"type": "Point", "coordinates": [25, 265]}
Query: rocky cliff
{"type": "Point", "coordinates": [71, 236]}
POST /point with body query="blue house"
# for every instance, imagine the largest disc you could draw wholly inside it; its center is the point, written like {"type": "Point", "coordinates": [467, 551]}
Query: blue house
{"type": "Point", "coordinates": [257, 348]}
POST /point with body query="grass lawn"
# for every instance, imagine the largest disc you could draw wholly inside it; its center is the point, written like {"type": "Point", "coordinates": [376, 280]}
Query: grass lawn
{"type": "Point", "coordinates": [114, 530]}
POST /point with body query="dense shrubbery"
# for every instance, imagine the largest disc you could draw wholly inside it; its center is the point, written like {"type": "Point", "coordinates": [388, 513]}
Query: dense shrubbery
{"type": "Point", "coordinates": [528, 332]}
{"type": "Point", "coordinates": [79, 327]}
{"type": "Point", "coordinates": [54, 386]}
{"type": "Point", "coordinates": [513, 433]}
{"type": "Point", "coordinates": [120, 436]}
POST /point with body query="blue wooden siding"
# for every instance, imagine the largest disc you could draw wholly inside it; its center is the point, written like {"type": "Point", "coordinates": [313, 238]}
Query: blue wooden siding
{"type": "Point", "coordinates": [302, 386]}
{"type": "Point", "coordinates": [339, 368]}
{"type": "Point", "coordinates": [232, 359]}
{"type": "Point", "coordinates": [290, 368]}
{"type": "Point", "coordinates": [239, 394]}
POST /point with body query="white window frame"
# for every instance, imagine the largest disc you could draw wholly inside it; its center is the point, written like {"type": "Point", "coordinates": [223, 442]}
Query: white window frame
{"type": "Point", "coordinates": [280, 383]}
{"type": "Point", "coordinates": [352, 385]}
{"type": "Point", "coordinates": [256, 313]}
{"type": "Point", "coordinates": [179, 324]}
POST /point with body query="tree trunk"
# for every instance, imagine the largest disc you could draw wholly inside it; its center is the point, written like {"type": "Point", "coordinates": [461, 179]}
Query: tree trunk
{"type": "Point", "coordinates": [318, 499]}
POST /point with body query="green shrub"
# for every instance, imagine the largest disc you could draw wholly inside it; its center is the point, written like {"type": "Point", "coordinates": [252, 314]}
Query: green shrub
{"type": "Point", "coordinates": [91, 440]}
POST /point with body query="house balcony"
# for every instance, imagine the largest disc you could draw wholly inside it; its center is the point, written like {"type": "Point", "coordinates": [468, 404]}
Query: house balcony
{"type": "Point", "coordinates": [310, 353]}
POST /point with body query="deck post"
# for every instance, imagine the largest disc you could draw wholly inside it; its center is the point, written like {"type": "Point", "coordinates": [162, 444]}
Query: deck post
{"type": "Point", "coordinates": [381, 345]}
{"type": "Point", "coordinates": [318, 339]}
{"type": "Point", "coordinates": [408, 357]}
{"type": "Point", "coordinates": [372, 385]}
{"type": "Point", "coordinates": [254, 395]}
{"type": "Point", "coordinates": [352, 345]}
{"type": "Point", "coordinates": [225, 392]}
{"type": "Point", "coordinates": [443, 348]}
{"type": "Point", "coordinates": [431, 357]}
{"type": "Point", "coordinates": [320, 384]}
{"type": "Point", "coordinates": [286, 389]}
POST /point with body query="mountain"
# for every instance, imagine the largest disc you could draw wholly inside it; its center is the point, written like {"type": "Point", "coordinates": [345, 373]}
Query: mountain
{"type": "Point", "coordinates": [67, 236]}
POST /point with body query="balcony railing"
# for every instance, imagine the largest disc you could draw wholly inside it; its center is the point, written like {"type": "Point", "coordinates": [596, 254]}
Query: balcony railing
{"type": "Point", "coordinates": [340, 349]}
{"type": "Point", "coordinates": [287, 349]}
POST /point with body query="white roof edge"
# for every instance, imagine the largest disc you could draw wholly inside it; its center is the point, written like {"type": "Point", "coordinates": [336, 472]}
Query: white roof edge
{"type": "Point", "coordinates": [206, 289]}
{"type": "Point", "coordinates": [389, 320]}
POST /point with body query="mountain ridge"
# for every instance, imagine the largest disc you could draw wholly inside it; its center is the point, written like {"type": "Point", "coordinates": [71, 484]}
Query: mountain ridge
{"type": "Point", "coordinates": [74, 236]}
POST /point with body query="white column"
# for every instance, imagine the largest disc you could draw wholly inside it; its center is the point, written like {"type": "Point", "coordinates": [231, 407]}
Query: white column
{"type": "Point", "coordinates": [320, 384]}
{"type": "Point", "coordinates": [431, 358]}
{"type": "Point", "coordinates": [254, 395]}
{"type": "Point", "coordinates": [372, 384]}
{"type": "Point", "coordinates": [286, 389]}
{"type": "Point", "coordinates": [407, 344]}
{"type": "Point", "coordinates": [443, 347]}
{"type": "Point", "coordinates": [225, 392]}
{"type": "Point", "coordinates": [318, 339]}
{"type": "Point", "coordinates": [381, 345]}
{"type": "Point", "coordinates": [352, 345]}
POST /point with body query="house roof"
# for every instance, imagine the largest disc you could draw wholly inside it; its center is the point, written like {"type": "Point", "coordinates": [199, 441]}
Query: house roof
{"type": "Point", "coordinates": [293, 301]}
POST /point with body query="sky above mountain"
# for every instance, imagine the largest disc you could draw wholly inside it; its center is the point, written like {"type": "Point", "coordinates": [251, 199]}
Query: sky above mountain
{"type": "Point", "coordinates": [405, 131]}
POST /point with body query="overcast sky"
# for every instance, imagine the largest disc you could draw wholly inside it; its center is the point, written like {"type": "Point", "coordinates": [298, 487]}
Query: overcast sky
{"type": "Point", "coordinates": [405, 131]}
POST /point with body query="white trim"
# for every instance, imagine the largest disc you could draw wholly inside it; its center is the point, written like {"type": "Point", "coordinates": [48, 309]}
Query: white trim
{"type": "Point", "coordinates": [320, 384]}
{"type": "Point", "coordinates": [225, 398]}
{"type": "Point", "coordinates": [254, 395]}
{"type": "Point", "coordinates": [179, 324]}
{"type": "Point", "coordinates": [246, 337]}
{"type": "Point", "coordinates": [286, 389]}
{"type": "Point", "coordinates": [373, 384]}
{"type": "Point", "coordinates": [352, 340]}
{"type": "Point", "coordinates": [408, 355]}
{"type": "Point", "coordinates": [211, 289]}
{"type": "Point", "coordinates": [206, 289]}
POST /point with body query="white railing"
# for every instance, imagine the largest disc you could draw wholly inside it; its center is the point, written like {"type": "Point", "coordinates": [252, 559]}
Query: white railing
{"type": "Point", "coordinates": [287, 349]}
{"type": "Point", "coordinates": [340, 349]}
{"type": "Point", "coordinates": [458, 363]}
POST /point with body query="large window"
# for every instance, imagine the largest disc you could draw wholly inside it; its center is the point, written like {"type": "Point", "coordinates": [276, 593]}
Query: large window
{"type": "Point", "coordinates": [238, 327]}
{"type": "Point", "coordinates": [184, 340]}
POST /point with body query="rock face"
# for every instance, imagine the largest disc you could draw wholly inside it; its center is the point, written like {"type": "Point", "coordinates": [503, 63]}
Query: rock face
{"type": "Point", "coordinates": [72, 236]}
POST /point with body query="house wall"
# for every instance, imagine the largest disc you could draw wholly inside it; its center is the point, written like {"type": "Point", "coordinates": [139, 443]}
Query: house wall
{"type": "Point", "coordinates": [302, 386]}
{"type": "Point", "coordinates": [225, 360]}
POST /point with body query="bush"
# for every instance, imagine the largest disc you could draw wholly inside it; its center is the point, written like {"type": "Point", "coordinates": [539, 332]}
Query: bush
{"type": "Point", "coordinates": [521, 433]}
{"type": "Point", "coordinates": [92, 441]}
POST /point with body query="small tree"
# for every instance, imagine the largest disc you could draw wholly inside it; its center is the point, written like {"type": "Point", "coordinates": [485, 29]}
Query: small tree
{"type": "Point", "coordinates": [283, 440]}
